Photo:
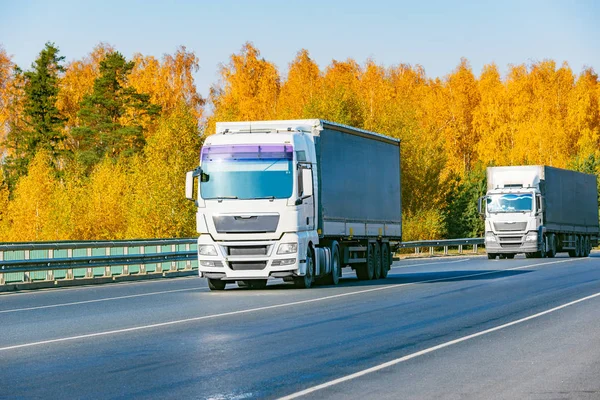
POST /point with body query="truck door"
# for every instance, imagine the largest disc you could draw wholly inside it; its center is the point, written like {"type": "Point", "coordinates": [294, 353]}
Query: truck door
{"type": "Point", "coordinates": [306, 202]}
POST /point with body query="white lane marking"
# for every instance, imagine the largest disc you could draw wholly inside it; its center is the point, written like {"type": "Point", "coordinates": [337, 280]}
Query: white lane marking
{"type": "Point", "coordinates": [430, 350]}
{"type": "Point", "coordinates": [350, 273]}
{"type": "Point", "coordinates": [252, 310]}
{"type": "Point", "coordinates": [95, 286]}
{"type": "Point", "coordinates": [432, 263]}
{"type": "Point", "coordinates": [100, 300]}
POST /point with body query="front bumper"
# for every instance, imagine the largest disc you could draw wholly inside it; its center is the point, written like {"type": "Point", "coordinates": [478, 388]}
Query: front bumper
{"type": "Point", "coordinates": [512, 244]}
{"type": "Point", "coordinates": [248, 260]}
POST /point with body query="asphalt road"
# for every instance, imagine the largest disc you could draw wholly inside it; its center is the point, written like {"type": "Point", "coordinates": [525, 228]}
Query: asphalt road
{"type": "Point", "coordinates": [444, 328]}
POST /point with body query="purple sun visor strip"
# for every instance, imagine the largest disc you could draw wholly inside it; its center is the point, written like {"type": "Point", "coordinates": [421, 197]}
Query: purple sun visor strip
{"type": "Point", "coordinates": [247, 152]}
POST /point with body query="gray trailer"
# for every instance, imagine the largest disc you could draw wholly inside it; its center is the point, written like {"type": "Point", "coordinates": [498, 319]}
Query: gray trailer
{"type": "Point", "coordinates": [540, 211]}
{"type": "Point", "coordinates": [297, 200]}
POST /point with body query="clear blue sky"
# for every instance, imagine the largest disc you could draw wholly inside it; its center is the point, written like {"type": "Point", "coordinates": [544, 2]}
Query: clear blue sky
{"type": "Point", "coordinates": [434, 34]}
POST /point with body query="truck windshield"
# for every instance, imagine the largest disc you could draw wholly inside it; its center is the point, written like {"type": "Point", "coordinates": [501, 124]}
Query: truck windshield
{"type": "Point", "coordinates": [510, 202]}
{"type": "Point", "coordinates": [247, 172]}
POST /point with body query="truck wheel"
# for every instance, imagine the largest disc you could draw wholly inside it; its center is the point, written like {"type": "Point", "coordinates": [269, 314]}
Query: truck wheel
{"type": "Point", "coordinates": [551, 250]}
{"type": "Point", "coordinates": [587, 248]}
{"type": "Point", "coordinates": [377, 260]}
{"type": "Point", "coordinates": [385, 260]}
{"type": "Point", "coordinates": [216, 284]}
{"type": "Point", "coordinates": [578, 246]}
{"type": "Point", "coordinates": [365, 271]}
{"type": "Point", "coordinates": [257, 284]}
{"type": "Point", "coordinates": [306, 281]}
{"type": "Point", "coordinates": [491, 256]}
{"type": "Point", "coordinates": [334, 276]}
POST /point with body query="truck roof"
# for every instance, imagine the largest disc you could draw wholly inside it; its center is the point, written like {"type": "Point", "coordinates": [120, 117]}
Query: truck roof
{"type": "Point", "coordinates": [312, 126]}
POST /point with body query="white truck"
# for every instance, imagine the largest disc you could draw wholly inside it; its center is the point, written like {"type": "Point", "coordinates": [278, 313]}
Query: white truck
{"type": "Point", "coordinates": [539, 211]}
{"type": "Point", "coordinates": [297, 200]}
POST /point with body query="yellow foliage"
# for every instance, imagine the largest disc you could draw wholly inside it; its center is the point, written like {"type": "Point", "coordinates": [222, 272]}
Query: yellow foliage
{"type": "Point", "coordinates": [30, 210]}
{"type": "Point", "coordinates": [422, 225]}
{"type": "Point", "coordinates": [78, 81]}
{"type": "Point", "coordinates": [102, 207]}
{"type": "Point", "coordinates": [158, 207]}
{"type": "Point", "coordinates": [11, 98]}
{"type": "Point", "coordinates": [249, 89]}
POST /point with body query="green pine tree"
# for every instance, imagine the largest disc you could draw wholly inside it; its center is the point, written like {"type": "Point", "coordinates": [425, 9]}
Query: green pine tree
{"type": "Point", "coordinates": [101, 132]}
{"type": "Point", "coordinates": [43, 121]}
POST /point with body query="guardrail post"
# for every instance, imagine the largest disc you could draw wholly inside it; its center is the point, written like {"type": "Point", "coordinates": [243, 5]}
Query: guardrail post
{"type": "Point", "coordinates": [69, 274]}
{"type": "Point", "coordinates": [50, 272]}
{"type": "Point", "coordinates": [173, 263]}
{"type": "Point", "coordinates": [26, 274]}
{"type": "Point", "coordinates": [188, 263]}
{"type": "Point", "coordinates": [107, 270]}
{"type": "Point", "coordinates": [89, 273]}
{"type": "Point", "coordinates": [1, 274]}
{"type": "Point", "coordinates": [143, 266]}
{"type": "Point", "coordinates": [475, 249]}
{"type": "Point", "coordinates": [125, 267]}
{"type": "Point", "coordinates": [445, 250]}
{"type": "Point", "coordinates": [431, 251]}
{"type": "Point", "coordinates": [460, 251]}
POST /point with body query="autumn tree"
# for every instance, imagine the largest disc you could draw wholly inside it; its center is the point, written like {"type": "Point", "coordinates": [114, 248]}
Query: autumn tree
{"type": "Point", "coordinates": [102, 131]}
{"type": "Point", "coordinates": [248, 91]}
{"type": "Point", "coordinates": [301, 90]}
{"type": "Point", "coordinates": [78, 81]}
{"type": "Point", "coordinates": [43, 129]}
{"type": "Point", "coordinates": [158, 207]}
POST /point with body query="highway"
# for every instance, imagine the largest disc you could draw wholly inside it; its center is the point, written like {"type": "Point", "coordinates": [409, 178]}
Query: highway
{"type": "Point", "coordinates": [439, 328]}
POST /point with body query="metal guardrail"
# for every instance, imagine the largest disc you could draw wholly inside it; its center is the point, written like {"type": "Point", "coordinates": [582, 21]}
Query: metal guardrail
{"type": "Point", "coordinates": [71, 260]}
{"type": "Point", "coordinates": [445, 244]}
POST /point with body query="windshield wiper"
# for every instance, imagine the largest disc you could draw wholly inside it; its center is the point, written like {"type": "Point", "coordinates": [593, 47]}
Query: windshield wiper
{"type": "Point", "coordinates": [264, 198]}
{"type": "Point", "coordinates": [221, 198]}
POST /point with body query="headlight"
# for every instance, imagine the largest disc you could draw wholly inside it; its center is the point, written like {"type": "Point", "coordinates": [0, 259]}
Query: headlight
{"type": "Point", "coordinates": [490, 237]}
{"type": "Point", "coordinates": [287, 248]}
{"type": "Point", "coordinates": [207, 250]}
{"type": "Point", "coordinates": [531, 237]}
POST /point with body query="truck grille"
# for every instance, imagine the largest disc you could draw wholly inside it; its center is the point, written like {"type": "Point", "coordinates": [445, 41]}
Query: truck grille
{"type": "Point", "coordinates": [243, 224]}
{"type": "Point", "coordinates": [247, 265]}
{"type": "Point", "coordinates": [510, 226]}
{"type": "Point", "coordinates": [247, 250]}
{"type": "Point", "coordinates": [510, 242]}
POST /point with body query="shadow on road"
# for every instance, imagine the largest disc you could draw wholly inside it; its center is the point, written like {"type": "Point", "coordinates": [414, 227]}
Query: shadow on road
{"type": "Point", "coordinates": [402, 279]}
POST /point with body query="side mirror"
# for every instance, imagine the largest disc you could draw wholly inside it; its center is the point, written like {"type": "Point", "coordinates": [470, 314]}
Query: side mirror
{"type": "Point", "coordinates": [480, 206]}
{"type": "Point", "coordinates": [189, 185]}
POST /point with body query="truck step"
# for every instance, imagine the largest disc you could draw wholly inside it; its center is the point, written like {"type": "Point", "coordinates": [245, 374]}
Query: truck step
{"type": "Point", "coordinates": [357, 248]}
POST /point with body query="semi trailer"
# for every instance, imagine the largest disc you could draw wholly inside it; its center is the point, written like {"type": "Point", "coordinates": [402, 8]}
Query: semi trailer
{"type": "Point", "coordinates": [540, 211]}
{"type": "Point", "coordinates": [296, 200]}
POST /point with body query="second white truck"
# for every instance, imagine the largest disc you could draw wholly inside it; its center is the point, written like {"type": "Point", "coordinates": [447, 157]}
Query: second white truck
{"type": "Point", "coordinates": [539, 211]}
{"type": "Point", "coordinates": [297, 200]}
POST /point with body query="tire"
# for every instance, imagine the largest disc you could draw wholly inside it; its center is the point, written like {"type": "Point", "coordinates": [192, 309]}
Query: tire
{"type": "Point", "coordinates": [587, 247]}
{"type": "Point", "coordinates": [306, 281]}
{"type": "Point", "coordinates": [491, 256]}
{"type": "Point", "coordinates": [578, 252]}
{"type": "Point", "coordinates": [216, 284]}
{"type": "Point", "coordinates": [510, 256]}
{"type": "Point", "coordinates": [551, 250]}
{"type": "Point", "coordinates": [503, 256]}
{"type": "Point", "coordinates": [257, 284]}
{"type": "Point", "coordinates": [385, 260]}
{"type": "Point", "coordinates": [334, 276]}
{"type": "Point", "coordinates": [365, 271]}
{"type": "Point", "coordinates": [377, 260]}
